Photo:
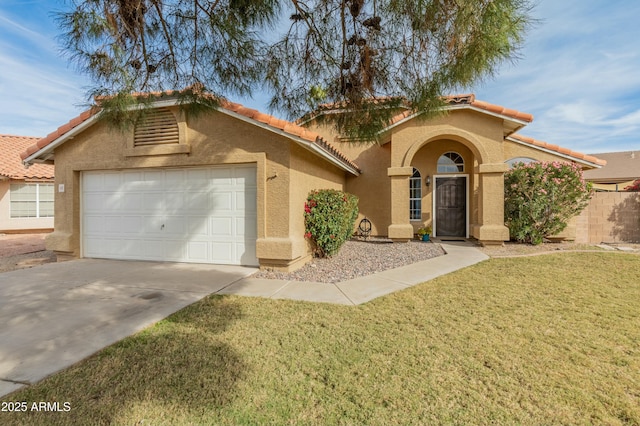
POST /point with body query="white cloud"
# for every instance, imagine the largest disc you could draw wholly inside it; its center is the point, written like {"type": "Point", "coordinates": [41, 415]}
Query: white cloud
{"type": "Point", "coordinates": [38, 92]}
{"type": "Point", "coordinates": [578, 76]}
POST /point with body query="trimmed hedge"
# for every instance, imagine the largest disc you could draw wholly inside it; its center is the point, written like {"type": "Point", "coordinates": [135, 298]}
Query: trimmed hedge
{"type": "Point", "coordinates": [329, 217]}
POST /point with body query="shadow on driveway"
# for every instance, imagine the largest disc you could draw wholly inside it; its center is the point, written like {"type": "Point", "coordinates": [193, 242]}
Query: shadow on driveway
{"type": "Point", "coordinates": [58, 314]}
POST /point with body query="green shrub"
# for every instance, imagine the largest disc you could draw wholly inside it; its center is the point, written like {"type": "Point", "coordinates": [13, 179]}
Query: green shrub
{"type": "Point", "coordinates": [541, 197]}
{"type": "Point", "coordinates": [329, 218]}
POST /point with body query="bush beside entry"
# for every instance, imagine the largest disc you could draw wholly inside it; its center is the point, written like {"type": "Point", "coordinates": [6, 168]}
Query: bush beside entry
{"type": "Point", "coordinates": [541, 197]}
{"type": "Point", "coordinates": [329, 217]}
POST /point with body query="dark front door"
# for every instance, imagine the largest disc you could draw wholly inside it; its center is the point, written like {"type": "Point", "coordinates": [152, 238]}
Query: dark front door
{"type": "Point", "coordinates": [451, 207]}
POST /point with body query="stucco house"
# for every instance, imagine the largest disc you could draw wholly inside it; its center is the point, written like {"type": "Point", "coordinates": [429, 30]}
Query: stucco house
{"type": "Point", "coordinates": [229, 186]}
{"type": "Point", "coordinates": [26, 195]}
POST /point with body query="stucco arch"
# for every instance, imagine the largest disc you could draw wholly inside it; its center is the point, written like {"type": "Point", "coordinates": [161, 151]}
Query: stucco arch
{"type": "Point", "coordinates": [467, 139]}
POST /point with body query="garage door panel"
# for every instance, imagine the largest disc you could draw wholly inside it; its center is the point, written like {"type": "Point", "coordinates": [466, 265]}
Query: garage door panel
{"type": "Point", "coordinates": [203, 215]}
{"type": "Point", "coordinates": [246, 227]}
{"type": "Point", "coordinates": [121, 225]}
{"type": "Point", "coordinates": [245, 176]}
{"type": "Point", "coordinates": [153, 201]}
{"type": "Point", "coordinates": [221, 226]}
{"type": "Point", "coordinates": [131, 202]}
{"type": "Point", "coordinates": [153, 225]}
{"type": "Point", "coordinates": [222, 175]}
{"type": "Point", "coordinates": [197, 180]}
{"type": "Point", "coordinates": [129, 225]}
{"type": "Point", "coordinates": [92, 182]}
{"type": "Point", "coordinates": [246, 201]}
{"type": "Point", "coordinates": [173, 250]}
{"type": "Point", "coordinates": [222, 201]}
{"type": "Point", "coordinates": [174, 203]}
{"type": "Point", "coordinates": [111, 182]}
{"type": "Point", "coordinates": [176, 225]}
{"type": "Point", "coordinates": [94, 202]}
{"type": "Point", "coordinates": [198, 202]}
{"type": "Point", "coordinates": [221, 252]}
{"type": "Point", "coordinates": [198, 226]}
{"type": "Point", "coordinates": [246, 251]}
{"type": "Point", "coordinates": [198, 251]}
{"type": "Point", "coordinates": [93, 224]}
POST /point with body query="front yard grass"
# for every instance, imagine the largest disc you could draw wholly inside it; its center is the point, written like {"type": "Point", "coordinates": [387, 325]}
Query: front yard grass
{"type": "Point", "coordinates": [551, 339]}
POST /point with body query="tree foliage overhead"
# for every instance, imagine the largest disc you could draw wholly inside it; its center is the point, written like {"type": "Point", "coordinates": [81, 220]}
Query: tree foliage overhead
{"type": "Point", "coordinates": [304, 53]}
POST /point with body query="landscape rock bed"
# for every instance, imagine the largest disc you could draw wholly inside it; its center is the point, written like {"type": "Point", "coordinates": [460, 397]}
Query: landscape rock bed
{"type": "Point", "coordinates": [358, 259]}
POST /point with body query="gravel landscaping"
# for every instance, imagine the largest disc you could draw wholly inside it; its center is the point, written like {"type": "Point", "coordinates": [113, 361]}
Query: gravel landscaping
{"type": "Point", "coordinates": [358, 259]}
{"type": "Point", "coordinates": [26, 260]}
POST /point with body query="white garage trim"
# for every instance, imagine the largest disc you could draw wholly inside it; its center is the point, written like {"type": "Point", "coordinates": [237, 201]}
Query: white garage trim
{"type": "Point", "coordinates": [195, 215]}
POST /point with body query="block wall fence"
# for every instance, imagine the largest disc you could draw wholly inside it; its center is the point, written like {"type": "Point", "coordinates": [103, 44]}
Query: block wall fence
{"type": "Point", "coordinates": [610, 217]}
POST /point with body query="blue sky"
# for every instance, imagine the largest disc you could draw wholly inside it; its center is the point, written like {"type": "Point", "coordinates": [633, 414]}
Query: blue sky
{"type": "Point", "coordinates": [579, 74]}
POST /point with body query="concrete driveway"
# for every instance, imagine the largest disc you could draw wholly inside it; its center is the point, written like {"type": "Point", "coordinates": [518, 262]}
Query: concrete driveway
{"type": "Point", "coordinates": [57, 314]}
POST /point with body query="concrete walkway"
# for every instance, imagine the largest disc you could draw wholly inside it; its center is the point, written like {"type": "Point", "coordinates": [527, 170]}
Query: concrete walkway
{"type": "Point", "coordinates": [55, 315]}
{"type": "Point", "coordinates": [361, 290]}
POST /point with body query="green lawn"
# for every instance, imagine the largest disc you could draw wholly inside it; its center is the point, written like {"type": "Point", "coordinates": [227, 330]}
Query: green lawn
{"type": "Point", "coordinates": [551, 339]}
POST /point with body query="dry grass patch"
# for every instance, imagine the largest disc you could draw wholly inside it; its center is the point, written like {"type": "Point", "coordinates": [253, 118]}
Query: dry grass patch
{"type": "Point", "coordinates": [544, 340]}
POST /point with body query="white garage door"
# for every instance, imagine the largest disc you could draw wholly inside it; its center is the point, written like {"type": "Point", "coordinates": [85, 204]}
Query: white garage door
{"type": "Point", "coordinates": [198, 215]}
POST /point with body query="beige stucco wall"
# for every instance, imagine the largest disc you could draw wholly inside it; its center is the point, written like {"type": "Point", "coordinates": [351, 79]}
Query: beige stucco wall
{"type": "Point", "coordinates": [372, 186]}
{"type": "Point", "coordinates": [480, 137]}
{"type": "Point", "coordinates": [383, 187]}
{"type": "Point", "coordinates": [513, 150]}
{"type": "Point", "coordinates": [208, 139]}
{"type": "Point", "coordinates": [9, 224]}
{"type": "Point", "coordinates": [307, 175]}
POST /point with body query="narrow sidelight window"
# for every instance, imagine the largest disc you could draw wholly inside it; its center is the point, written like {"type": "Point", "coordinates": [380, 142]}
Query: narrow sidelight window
{"type": "Point", "coordinates": [415, 196]}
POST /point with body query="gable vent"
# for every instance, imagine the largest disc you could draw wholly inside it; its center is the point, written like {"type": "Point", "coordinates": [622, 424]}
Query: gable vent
{"type": "Point", "coordinates": [158, 127]}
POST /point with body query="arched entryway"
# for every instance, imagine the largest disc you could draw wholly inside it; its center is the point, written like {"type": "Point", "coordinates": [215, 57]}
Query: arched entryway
{"type": "Point", "coordinates": [463, 196]}
{"type": "Point", "coordinates": [451, 198]}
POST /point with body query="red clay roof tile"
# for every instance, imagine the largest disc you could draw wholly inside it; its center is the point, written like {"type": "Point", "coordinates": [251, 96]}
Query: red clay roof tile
{"type": "Point", "coordinates": [453, 101]}
{"type": "Point", "coordinates": [283, 125]}
{"type": "Point", "coordinates": [10, 162]}
{"type": "Point", "coordinates": [561, 150]}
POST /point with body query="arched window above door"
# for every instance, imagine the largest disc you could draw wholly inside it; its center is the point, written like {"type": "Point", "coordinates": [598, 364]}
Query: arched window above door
{"type": "Point", "coordinates": [450, 162]}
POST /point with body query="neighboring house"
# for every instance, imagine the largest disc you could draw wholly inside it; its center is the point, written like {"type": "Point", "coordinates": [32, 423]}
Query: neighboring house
{"type": "Point", "coordinates": [621, 170]}
{"type": "Point", "coordinates": [26, 194]}
{"type": "Point", "coordinates": [612, 214]}
{"type": "Point", "coordinates": [229, 187]}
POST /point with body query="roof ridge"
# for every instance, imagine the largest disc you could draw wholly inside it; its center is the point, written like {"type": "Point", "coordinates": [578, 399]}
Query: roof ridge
{"type": "Point", "coordinates": [558, 148]}
{"type": "Point", "coordinates": [5, 135]}
{"type": "Point", "coordinates": [286, 126]}
{"type": "Point", "coordinates": [450, 100]}
{"type": "Point", "coordinates": [10, 164]}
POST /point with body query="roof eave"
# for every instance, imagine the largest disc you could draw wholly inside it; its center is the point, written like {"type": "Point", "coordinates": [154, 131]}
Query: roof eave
{"type": "Point", "coordinates": [314, 148]}
{"type": "Point", "coordinates": [45, 155]}
{"type": "Point", "coordinates": [556, 153]}
{"type": "Point", "coordinates": [515, 123]}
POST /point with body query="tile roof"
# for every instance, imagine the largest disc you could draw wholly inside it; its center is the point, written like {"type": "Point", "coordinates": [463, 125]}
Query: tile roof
{"type": "Point", "coordinates": [10, 162]}
{"type": "Point", "coordinates": [60, 131]}
{"type": "Point", "coordinates": [578, 156]}
{"type": "Point", "coordinates": [290, 128]}
{"type": "Point", "coordinates": [285, 126]}
{"type": "Point", "coordinates": [452, 102]}
{"type": "Point", "coordinates": [470, 99]}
